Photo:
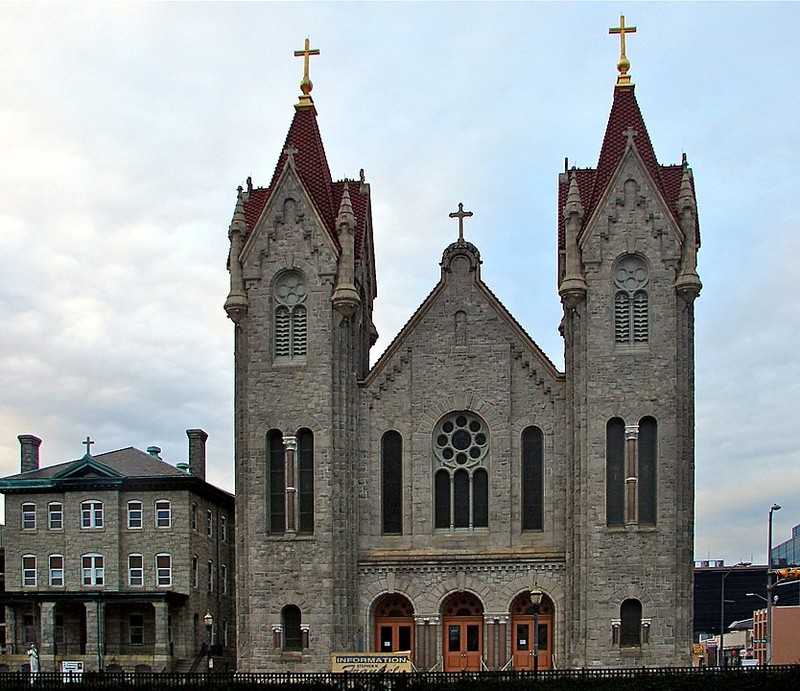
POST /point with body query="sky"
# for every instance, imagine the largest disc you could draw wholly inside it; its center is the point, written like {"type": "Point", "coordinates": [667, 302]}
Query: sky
{"type": "Point", "coordinates": [126, 128]}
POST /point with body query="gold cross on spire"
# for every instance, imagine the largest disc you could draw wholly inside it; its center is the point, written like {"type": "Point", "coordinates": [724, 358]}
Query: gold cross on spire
{"type": "Point", "coordinates": [624, 64]}
{"type": "Point", "coordinates": [306, 85]}
{"type": "Point", "coordinates": [461, 215]}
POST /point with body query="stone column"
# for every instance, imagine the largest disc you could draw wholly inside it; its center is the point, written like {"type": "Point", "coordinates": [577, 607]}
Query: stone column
{"type": "Point", "coordinates": [631, 480]}
{"type": "Point", "coordinates": [11, 630]}
{"type": "Point", "coordinates": [434, 640]}
{"type": "Point", "coordinates": [161, 638]}
{"type": "Point", "coordinates": [502, 635]}
{"type": "Point", "coordinates": [421, 643]}
{"type": "Point", "coordinates": [490, 640]}
{"type": "Point", "coordinates": [92, 624]}
{"type": "Point", "coordinates": [46, 636]}
{"type": "Point", "coordinates": [290, 444]}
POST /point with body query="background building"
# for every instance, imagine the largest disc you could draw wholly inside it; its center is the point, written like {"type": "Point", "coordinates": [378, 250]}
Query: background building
{"type": "Point", "coordinates": [788, 553]}
{"type": "Point", "coordinates": [416, 504]}
{"type": "Point", "coordinates": [115, 559]}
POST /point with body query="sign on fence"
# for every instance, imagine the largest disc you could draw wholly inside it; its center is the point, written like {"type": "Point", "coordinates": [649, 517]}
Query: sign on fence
{"type": "Point", "coordinates": [371, 662]}
{"type": "Point", "coordinates": [71, 670]}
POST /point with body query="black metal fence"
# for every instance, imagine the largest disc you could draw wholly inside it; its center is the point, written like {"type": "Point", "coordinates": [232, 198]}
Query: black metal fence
{"type": "Point", "coordinates": [633, 679]}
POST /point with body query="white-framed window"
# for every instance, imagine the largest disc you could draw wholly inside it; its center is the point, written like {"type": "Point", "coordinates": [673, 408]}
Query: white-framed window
{"type": "Point", "coordinates": [209, 523]}
{"type": "Point", "coordinates": [223, 527]}
{"type": "Point", "coordinates": [136, 629]}
{"type": "Point", "coordinates": [193, 516]}
{"type": "Point", "coordinates": [28, 516]}
{"type": "Point", "coordinates": [29, 570]}
{"type": "Point", "coordinates": [135, 515]}
{"type": "Point", "coordinates": [210, 576]}
{"type": "Point", "coordinates": [92, 514]}
{"type": "Point", "coordinates": [56, 570]}
{"type": "Point", "coordinates": [163, 513]}
{"type": "Point", "coordinates": [163, 570]}
{"type": "Point", "coordinates": [195, 574]}
{"type": "Point", "coordinates": [135, 570]}
{"type": "Point", "coordinates": [224, 579]}
{"type": "Point", "coordinates": [92, 569]}
{"type": "Point", "coordinates": [55, 515]}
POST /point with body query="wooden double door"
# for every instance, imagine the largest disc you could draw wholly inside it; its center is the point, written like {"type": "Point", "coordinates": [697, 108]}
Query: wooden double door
{"type": "Point", "coordinates": [522, 642]}
{"type": "Point", "coordinates": [463, 641]}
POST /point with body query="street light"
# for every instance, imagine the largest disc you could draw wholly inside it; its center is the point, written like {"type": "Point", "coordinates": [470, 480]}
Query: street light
{"type": "Point", "coordinates": [209, 622]}
{"type": "Point", "coordinates": [536, 601]}
{"type": "Point", "coordinates": [772, 509]}
{"type": "Point", "coordinates": [721, 651]}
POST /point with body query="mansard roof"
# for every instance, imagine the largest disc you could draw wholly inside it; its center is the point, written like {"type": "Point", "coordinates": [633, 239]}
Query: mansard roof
{"type": "Point", "coordinates": [592, 182]}
{"type": "Point", "coordinates": [305, 141]}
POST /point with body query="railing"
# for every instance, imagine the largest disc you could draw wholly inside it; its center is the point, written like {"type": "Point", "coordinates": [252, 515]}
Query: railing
{"type": "Point", "coordinates": [669, 677]}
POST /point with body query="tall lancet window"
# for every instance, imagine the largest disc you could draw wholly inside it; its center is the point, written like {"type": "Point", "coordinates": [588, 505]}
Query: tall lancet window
{"type": "Point", "coordinates": [631, 300]}
{"type": "Point", "coordinates": [291, 328]}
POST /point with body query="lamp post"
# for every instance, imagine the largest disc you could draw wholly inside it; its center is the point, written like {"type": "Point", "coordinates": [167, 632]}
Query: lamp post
{"type": "Point", "coordinates": [722, 612]}
{"type": "Point", "coordinates": [772, 509]}
{"type": "Point", "coordinates": [209, 622]}
{"type": "Point", "coordinates": [536, 601]}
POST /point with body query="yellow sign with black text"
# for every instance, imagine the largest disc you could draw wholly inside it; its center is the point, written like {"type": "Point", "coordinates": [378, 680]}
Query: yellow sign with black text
{"type": "Point", "coordinates": [371, 662]}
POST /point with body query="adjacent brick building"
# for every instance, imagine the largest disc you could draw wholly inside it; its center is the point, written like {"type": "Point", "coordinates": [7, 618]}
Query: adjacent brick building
{"type": "Point", "coordinates": [416, 504]}
{"type": "Point", "coordinates": [115, 559]}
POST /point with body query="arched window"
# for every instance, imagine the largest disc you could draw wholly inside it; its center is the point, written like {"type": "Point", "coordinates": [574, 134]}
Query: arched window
{"type": "Point", "coordinates": [291, 329]}
{"type": "Point", "coordinates": [28, 516]}
{"type": "Point", "coordinates": [292, 635]}
{"type": "Point", "coordinates": [532, 479]}
{"type": "Point", "coordinates": [461, 481]}
{"type": "Point", "coordinates": [630, 614]}
{"type": "Point", "coordinates": [305, 480]}
{"type": "Point", "coordinates": [631, 302]}
{"type": "Point", "coordinates": [277, 482]}
{"type": "Point", "coordinates": [392, 483]}
{"type": "Point", "coordinates": [648, 439]}
{"type": "Point", "coordinates": [615, 472]}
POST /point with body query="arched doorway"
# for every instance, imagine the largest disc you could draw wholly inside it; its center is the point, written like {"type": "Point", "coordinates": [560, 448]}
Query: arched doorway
{"type": "Point", "coordinates": [394, 624]}
{"type": "Point", "coordinates": [522, 623]}
{"type": "Point", "coordinates": [462, 618]}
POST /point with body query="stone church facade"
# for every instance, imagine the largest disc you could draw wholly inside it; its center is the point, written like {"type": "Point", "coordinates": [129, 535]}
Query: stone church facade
{"type": "Point", "coordinates": [416, 504]}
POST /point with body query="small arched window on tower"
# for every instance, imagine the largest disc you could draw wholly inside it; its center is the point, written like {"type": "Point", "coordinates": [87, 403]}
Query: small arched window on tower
{"type": "Point", "coordinates": [305, 481]}
{"type": "Point", "coordinates": [647, 453]}
{"type": "Point", "coordinates": [292, 634]}
{"type": "Point", "coordinates": [277, 482]}
{"type": "Point", "coordinates": [291, 328]}
{"type": "Point", "coordinates": [461, 480]}
{"type": "Point", "coordinates": [630, 614]}
{"type": "Point", "coordinates": [631, 300]}
{"type": "Point", "coordinates": [392, 483]}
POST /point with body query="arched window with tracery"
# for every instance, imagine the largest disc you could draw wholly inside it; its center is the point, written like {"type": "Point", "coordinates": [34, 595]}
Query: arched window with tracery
{"type": "Point", "coordinates": [461, 479]}
{"type": "Point", "coordinates": [291, 323]}
{"type": "Point", "coordinates": [631, 301]}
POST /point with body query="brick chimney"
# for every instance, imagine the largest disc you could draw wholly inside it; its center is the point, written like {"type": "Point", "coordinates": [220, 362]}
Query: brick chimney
{"type": "Point", "coordinates": [29, 452]}
{"type": "Point", "coordinates": [197, 452]}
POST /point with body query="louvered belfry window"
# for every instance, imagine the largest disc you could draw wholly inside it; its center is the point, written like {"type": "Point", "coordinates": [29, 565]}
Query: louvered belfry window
{"type": "Point", "coordinates": [631, 301]}
{"type": "Point", "coordinates": [291, 324]}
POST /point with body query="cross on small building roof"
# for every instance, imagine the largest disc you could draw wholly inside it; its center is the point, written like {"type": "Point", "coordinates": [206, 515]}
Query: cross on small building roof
{"type": "Point", "coordinates": [460, 215]}
{"type": "Point", "coordinates": [88, 444]}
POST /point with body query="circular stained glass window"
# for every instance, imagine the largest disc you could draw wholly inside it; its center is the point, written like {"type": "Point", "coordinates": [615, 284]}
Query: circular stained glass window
{"type": "Point", "coordinates": [461, 439]}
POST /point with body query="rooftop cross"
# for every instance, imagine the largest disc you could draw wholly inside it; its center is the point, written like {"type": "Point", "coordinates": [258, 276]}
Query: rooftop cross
{"type": "Point", "coordinates": [88, 444]}
{"type": "Point", "coordinates": [306, 85]}
{"type": "Point", "coordinates": [461, 215]}
{"type": "Point", "coordinates": [629, 134]}
{"type": "Point", "coordinates": [290, 152]}
{"type": "Point", "coordinates": [624, 64]}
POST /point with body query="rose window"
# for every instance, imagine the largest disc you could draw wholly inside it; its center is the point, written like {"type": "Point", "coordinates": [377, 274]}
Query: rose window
{"type": "Point", "coordinates": [461, 440]}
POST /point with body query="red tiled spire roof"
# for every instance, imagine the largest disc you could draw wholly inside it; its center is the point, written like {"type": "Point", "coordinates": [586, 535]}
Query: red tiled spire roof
{"type": "Point", "coordinates": [625, 117]}
{"type": "Point", "coordinates": [304, 144]}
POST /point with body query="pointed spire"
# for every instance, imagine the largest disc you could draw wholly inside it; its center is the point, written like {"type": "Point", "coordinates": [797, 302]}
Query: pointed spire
{"type": "Point", "coordinates": [573, 287]}
{"type": "Point", "coordinates": [346, 215]}
{"type": "Point", "coordinates": [573, 205]}
{"type": "Point", "coordinates": [236, 305]}
{"type": "Point", "coordinates": [345, 296]}
{"type": "Point", "coordinates": [688, 283]}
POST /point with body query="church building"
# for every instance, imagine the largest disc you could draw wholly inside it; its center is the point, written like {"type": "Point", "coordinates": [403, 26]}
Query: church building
{"type": "Point", "coordinates": [462, 499]}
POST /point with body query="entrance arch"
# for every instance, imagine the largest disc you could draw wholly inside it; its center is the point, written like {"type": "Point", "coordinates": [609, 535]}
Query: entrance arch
{"type": "Point", "coordinates": [522, 624]}
{"type": "Point", "coordinates": [462, 619]}
{"type": "Point", "coordinates": [394, 624]}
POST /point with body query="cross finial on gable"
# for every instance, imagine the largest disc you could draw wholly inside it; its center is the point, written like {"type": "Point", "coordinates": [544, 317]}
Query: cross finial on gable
{"type": "Point", "coordinates": [306, 84]}
{"type": "Point", "coordinates": [461, 215]}
{"type": "Point", "coordinates": [629, 134]}
{"type": "Point", "coordinates": [290, 152]}
{"type": "Point", "coordinates": [623, 65]}
{"type": "Point", "coordinates": [88, 444]}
